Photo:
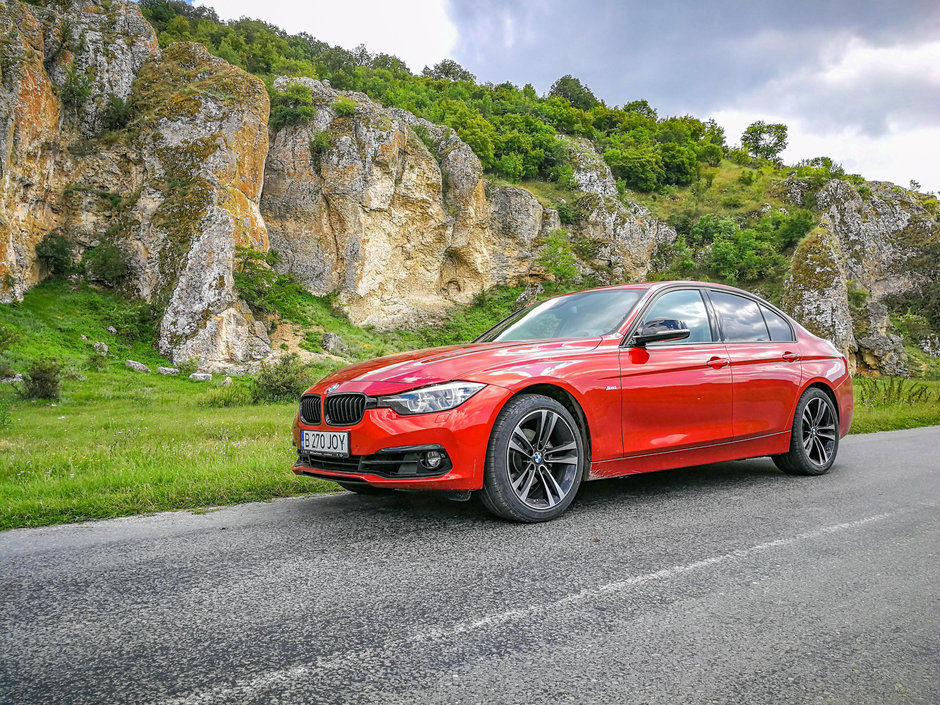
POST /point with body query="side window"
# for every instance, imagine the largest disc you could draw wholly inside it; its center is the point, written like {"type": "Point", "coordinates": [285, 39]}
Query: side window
{"type": "Point", "coordinates": [741, 320]}
{"type": "Point", "coordinates": [685, 305]}
{"type": "Point", "coordinates": [780, 330]}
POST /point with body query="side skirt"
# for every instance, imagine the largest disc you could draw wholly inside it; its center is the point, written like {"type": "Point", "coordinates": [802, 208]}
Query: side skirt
{"type": "Point", "coordinates": [700, 455]}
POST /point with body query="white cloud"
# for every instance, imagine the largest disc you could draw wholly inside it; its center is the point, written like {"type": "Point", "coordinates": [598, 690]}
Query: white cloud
{"type": "Point", "coordinates": [873, 109]}
{"type": "Point", "coordinates": [419, 32]}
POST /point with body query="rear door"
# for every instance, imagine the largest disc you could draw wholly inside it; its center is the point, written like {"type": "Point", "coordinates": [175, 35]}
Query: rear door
{"type": "Point", "coordinates": [676, 394]}
{"type": "Point", "coordinates": [765, 363]}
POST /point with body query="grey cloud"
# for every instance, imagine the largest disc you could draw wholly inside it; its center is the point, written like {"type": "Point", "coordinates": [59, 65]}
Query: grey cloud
{"type": "Point", "coordinates": [700, 57]}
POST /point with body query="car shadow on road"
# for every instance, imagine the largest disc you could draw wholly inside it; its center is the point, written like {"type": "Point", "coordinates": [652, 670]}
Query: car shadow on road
{"type": "Point", "coordinates": [634, 491]}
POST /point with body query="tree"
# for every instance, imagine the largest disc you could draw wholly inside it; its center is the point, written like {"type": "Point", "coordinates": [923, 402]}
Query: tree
{"type": "Point", "coordinates": [575, 92]}
{"type": "Point", "coordinates": [765, 141]}
{"type": "Point", "coordinates": [449, 70]}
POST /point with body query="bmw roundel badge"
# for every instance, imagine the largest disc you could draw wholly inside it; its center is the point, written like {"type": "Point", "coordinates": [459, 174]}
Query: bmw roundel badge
{"type": "Point", "coordinates": [333, 388]}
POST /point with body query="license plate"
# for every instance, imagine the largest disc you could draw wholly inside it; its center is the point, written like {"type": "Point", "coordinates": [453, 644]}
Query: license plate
{"type": "Point", "coordinates": [326, 442]}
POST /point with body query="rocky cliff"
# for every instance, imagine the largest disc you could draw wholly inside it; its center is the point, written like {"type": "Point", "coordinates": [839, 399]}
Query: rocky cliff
{"type": "Point", "coordinates": [862, 252]}
{"type": "Point", "coordinates": [168, 157]}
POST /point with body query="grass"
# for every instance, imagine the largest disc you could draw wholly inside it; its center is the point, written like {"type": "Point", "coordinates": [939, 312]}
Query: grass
{"type": "Point", "coordinates": [120, 443]}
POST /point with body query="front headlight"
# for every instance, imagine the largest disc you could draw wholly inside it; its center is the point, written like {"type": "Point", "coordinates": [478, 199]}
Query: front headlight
{"type": "Point", "coordinates": [440, 397]}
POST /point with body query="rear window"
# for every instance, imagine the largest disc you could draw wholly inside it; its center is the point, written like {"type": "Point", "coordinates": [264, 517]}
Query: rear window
{"type": "Point", "coordinates": [741, 319]}
{"type": "Point", "coordinates": [780, 330]}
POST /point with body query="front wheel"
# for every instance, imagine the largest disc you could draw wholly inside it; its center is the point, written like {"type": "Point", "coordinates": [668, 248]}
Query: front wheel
{"type": "Point", "coordinates": [534, 462]}
{"type": "Point", "coordinates": [814, 438]}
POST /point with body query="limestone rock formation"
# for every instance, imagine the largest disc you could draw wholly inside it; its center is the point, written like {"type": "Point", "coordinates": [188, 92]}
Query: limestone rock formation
{"type": "Point", "coordinates": [842, 274]}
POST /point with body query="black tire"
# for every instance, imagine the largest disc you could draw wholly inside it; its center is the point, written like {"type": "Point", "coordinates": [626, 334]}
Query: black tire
{"type": "Point", "coordinates": [814, 440]}
{"type": "Point", "coordinates": [535, 460]}
{"type": "Point", "coordinates": [363, 488]}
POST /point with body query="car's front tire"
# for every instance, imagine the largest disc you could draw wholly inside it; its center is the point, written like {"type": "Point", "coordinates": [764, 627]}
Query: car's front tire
{"type": "Point", "coordinates": [534, 462]}
{"type": "Point", "coordinates": [814, 437]}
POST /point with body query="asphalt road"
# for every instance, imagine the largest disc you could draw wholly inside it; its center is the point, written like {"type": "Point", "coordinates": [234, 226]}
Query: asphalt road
{"type": "Point", "coordinates": [728, 583]}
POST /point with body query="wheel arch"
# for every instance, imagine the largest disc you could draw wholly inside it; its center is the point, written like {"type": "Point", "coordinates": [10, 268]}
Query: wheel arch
{"type": "Point", "coordinates": [828, 390]}
{"type": "Point", "coordinates": [570, 402]}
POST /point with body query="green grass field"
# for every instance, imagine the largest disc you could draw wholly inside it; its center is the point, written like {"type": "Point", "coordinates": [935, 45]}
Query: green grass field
{"type": "Point", "coordinates": [120, 442]}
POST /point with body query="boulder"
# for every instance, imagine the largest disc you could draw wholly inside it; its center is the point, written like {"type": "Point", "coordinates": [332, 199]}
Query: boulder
{"type": "Point", "coordinates": [227, 382]}
{"type": "Point", "coordinates": [168, 371]}
{"type": "Point", "coordinates": [136, 366]}
{"type": "Point", "coordinates": [101, 348]}
{"type": "Point", "coordinates": [201, 376]}
{"type": "Point", "coordinates": [333, 344]}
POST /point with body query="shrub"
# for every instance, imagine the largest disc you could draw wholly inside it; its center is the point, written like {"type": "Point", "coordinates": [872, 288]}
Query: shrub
{"type": "Point", "coordinates": [6, 418]}
{"type": "Point", "coordinates": [96, 362]}
{"type": "Point", "coordinates": [8, 336]}
{"type": "Point", "coordinates": [221, 397]}
{"type": "Point", "coordinates": [117, 113]}
{"type": "Point", "coordinates": [42, 380]}
{"type": "Point", "coordinates": [187, 367]}
{"type": "Point", "coordinates": [253, 277]}
{"type": "Point", "coordinates": [557, 257]}
{"type": "Point", "coordinates": [107, 263]}
{"type": "Point", "coordinates": [136, 320]}
{"type": "Point", "coordinates": [56, 253]}
{"type": "Point", "coordinates": [292, 106]}
{"type": "Point", "coordinates": [77, 88]}
{"type": "Point", "coordinates": [283, 380]}
{"type": "Point", "coordinates": [344, 107]}
{"type": "Point", "coordinates": [320, 144]}
{"type": "Point", "coordinates": [891, 391]}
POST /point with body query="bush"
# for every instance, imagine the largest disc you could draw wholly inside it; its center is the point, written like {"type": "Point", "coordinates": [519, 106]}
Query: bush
{"type": "Point", "coordinates": [42, 380]}
{"type": "Point", "coordinates": [6, 418]}
{"type": "Point", "coordinates": [117, 113]}
{"type": "Point", "coordinates": [344, 107]}
{"type": "Point", "coordinates": [107, 263]}
{"type": "Point", "coordinates": [56, 253]}
{"type": "Point", "coordinates": [557, 257]}
{"type": "Point", "coordinates": [96, 362]}
{"type": "Point", "coordinates": [320, 144]}
{"type": "Point", "coordinates": [136, 321]}
{"type": "Point", "coordinates": [253, 277]}
{"type": "Point", "coordinates": [77, 88]}
{"type": "Point", "coordinates": [222, 397]}
{"type": "Point", "coordinates": [284, 380]}
{"type": "Point", "coordinates": [292, 106]}
{"type": "Point", "coordinates": [8, 336]}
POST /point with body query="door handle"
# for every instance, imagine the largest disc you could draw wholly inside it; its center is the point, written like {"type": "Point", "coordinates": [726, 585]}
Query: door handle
{"type": "Point", "coordinates": [717, 362]}
{"type": "Point", "coordinates": [790, 357]}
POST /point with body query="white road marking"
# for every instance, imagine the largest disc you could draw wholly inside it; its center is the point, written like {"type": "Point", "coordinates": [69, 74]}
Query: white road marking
{"type": "Point", "coordinates": [249, 687]}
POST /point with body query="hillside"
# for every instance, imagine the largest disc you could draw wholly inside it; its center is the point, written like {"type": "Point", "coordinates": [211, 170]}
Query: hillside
{"type": "Point", "coordinates": [252, 190]}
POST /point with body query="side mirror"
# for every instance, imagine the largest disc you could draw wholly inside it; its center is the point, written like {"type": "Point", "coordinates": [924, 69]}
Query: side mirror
{"type": "Point", "coordinates": [659, 330]}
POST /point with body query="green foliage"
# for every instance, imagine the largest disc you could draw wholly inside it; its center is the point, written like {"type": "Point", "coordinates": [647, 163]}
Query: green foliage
{"type": "Point", "coordinates": [557, 257]}
{"type": "Point", "coordinates": [117, 113]}
{"type": "Point", "coordinates": [320, 144]}
{"type": "Point", "coordinates": [344, 107]}
{"type": "Point", "coordinates": [574, 91]}
{"type": "Point", "coordinates": [924, 298]}
{"type": "Point", "coordinates": [292, 106]}
{"type": "Point", "coordinates": [254, 277]}
{"type": "Point", "coordinates": [8, 336]}
{"type": "Point", "coordinates": [43, 380]}
{"type": "Point", "coordinates": [222, 397]}
{"type": "Point", "coordinates": [641, 168]}
{"type": "Point", "coordinates": [56, 253]}
{"type": "Point", "coordinates": [77, 89]}
{"type": "Point", "coordinates": [710, 153]}
{"type": "Point", "coordinates": [765, 141]}
{"type": "Point", "coordinates": [877, 392]}
{"type": "Point", "coordinates": [107, 263]}
{"type": "Point", "coordinates": [448, 70]}
{"type": "Point", "coordinates": [913, 325]}
{"type": "Point", "coordinates": [96, 362]}
{"type": "Point", "coordinates": [135, 320]}
{"type": "Point", "coordinates": [6, 418]}
{"type": "Point", "coordinates": [281, 381]}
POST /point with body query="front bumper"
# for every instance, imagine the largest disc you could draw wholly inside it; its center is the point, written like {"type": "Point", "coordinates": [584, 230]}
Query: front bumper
{"type": "Point", "coordinates": [380, 444]}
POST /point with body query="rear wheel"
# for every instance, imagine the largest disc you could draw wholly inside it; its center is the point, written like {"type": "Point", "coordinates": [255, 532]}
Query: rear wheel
{"type": "Point", "coordinates": [534, 462]}
{"type": "Point", "coordinates": [814, 439]}
{"type": "Point", "coordinates": [364, 488]}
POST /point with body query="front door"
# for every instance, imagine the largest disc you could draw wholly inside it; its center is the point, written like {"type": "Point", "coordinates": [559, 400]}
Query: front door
{"type": "Point", "coordinates": [676, 394]}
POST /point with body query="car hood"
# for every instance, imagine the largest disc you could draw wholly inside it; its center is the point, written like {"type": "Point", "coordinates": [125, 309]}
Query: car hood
{"type": "Point", "coordinates": [470, 362]}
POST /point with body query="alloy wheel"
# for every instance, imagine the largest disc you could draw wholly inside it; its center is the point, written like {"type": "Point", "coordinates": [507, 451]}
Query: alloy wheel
{"type": "Point", "coordinates": [818, 431]}
{"type": "Point", "coordinates": [542, 459]}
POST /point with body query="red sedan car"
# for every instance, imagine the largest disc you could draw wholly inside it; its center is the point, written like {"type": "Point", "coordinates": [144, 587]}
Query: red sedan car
{"type": "Point", "coordinates": [596, 384]}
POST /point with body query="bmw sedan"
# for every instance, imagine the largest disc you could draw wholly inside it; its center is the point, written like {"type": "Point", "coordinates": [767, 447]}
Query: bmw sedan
{"type": "Point", "coordinates": [591, 385]}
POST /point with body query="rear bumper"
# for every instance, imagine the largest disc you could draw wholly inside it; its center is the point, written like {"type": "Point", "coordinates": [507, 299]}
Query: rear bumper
{"type": "Point", "coordinates": [462, 433]}
{"type": "Point", "coordinates": [845, 398]}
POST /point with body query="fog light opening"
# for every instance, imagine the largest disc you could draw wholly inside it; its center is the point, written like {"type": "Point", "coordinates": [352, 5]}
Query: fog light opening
{"type": "Point", "coordinates": [432, 459]}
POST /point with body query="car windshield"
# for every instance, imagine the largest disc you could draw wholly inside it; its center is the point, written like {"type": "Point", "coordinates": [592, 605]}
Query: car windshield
{"type": "Point", "coordinates": [585, 315]}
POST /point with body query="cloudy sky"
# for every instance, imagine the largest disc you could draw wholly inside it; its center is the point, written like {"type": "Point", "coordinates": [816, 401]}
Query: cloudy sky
{"type": "Point", "coordinates": [857, 80]}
